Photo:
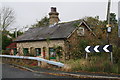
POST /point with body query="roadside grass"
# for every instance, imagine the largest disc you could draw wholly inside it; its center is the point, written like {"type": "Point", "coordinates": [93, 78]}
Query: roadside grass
{"type": "Point", "coordinates": [93, 64]}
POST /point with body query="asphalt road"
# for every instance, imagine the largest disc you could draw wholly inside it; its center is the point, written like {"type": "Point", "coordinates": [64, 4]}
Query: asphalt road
{"type": "Point", "coordinates": [9, 71]}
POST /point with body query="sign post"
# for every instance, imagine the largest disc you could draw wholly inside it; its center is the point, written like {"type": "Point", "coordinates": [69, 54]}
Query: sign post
{"type": "Point", "coordinates": [86, 55]}
{"type": "Point", "coordinates": [111, 54]}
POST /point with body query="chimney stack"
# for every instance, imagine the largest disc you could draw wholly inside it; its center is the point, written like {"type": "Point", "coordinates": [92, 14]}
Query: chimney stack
{"type": "Point", "coordinates": [53, 15]}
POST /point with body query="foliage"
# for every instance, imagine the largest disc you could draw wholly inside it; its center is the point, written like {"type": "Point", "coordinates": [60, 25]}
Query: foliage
{"type": "Point", "coordinates": [5, 39]}
{"type": "Point", "coordinates": [93, 22]}
{"type": "Point", "coordinates": [83, 44]}
{"type": "Point", "coordinates": [97, 26]}
{"type": "Point", "coordinates": [116, 54]}
{"type": "Point", "coordinates": [5, 52]}
{"type": "Point", "coordinates": [58, 51]}
{"type": "Point", "coordinates": [79, 52]}
{"type": "Point", "coordinates": [92, 65]}
{"type": "Point", "coordinates": [41, 23]}
{"type": "Point", "coordinates": [113, 19]}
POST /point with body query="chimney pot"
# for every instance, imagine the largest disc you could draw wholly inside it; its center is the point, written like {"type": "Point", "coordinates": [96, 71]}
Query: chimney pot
{"type": "Point", "coordinates": [53, 9]}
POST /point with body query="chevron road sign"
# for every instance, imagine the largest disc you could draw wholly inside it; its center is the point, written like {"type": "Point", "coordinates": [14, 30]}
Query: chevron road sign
{"type": "Point", "coordinates": [99, 48]}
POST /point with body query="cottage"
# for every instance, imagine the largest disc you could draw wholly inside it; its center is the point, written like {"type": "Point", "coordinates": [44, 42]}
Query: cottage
{"type": "Point", "coordinates": [41, 41]}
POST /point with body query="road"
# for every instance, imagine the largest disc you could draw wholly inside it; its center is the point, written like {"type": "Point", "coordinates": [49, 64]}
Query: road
{"type": "Point", "coordinates": [9, 71]}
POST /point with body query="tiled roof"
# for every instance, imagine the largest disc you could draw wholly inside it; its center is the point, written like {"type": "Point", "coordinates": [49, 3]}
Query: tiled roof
{"type": "Point", "coordinates": [57, 31]}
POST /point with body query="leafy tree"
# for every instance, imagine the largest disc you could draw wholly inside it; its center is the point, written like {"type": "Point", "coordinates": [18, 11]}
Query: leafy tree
{"type": "Point", "coordinates": [8, 37]}
{"type": "Point", "coordinates": [5, 40]}
{"type": "Point", "coordinates": [43, 22]}
{"type": "Point", "coordinates": [113, 19]}
{"type": "Point", "coordinates": [97, 27]}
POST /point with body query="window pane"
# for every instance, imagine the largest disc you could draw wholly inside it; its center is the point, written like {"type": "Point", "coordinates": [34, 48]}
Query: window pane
{"type": "Point", "coordinates": [38, 51]}
{"type": "Point", "coordinates": [25, 51]}
{"type": "Point", "coordinates": [80, 31]}
{"type": "Point", "coordinates": [52, 53]}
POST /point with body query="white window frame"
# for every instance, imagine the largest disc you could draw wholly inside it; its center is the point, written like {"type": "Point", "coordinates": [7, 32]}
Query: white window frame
{"type": "Point", "coordinates": [81, 31]}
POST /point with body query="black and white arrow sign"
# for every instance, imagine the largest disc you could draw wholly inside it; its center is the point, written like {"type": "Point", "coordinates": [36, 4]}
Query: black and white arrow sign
{"type": "Point", "coordinates": [99, 48]}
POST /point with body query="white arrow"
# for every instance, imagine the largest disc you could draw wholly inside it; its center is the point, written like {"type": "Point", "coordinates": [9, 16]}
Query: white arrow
{"type": "Point", "coordinates": [96, 48]}
{"type": "Point", "coordinates": [86, 49]}
{"type": "Point", "coordinates": [105, 48]}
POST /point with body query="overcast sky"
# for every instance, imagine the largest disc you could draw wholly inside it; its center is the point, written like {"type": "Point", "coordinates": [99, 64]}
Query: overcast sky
{"type": "Point", "coordinates": [27, 13]}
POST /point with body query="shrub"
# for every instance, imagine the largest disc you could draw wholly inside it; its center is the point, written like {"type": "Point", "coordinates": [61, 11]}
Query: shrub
{"type": "Point", "coordinates": [93, 64]}
{"type": "Point", "coordinates": [116, 54]}
{"type": "Point", "coordinates": [79, 64]}
{"type": "Point", "coordinates": [6, 52]}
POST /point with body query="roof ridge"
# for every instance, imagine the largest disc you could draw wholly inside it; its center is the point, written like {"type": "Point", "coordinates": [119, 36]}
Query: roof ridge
{"type": "Point", "coordinates": [71, 21]}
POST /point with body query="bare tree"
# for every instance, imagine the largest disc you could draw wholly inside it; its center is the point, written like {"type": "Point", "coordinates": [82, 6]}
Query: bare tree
{"type": "Point", "coordinates": [6, 17]}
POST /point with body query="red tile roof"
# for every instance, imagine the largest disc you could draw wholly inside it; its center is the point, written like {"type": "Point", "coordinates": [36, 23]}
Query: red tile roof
{"type": "Point", "coordinates": [12, 45]}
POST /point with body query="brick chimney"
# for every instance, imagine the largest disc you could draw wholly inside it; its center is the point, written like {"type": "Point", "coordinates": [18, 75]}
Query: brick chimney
{"type": "Point", "coordinates": [53, 15]}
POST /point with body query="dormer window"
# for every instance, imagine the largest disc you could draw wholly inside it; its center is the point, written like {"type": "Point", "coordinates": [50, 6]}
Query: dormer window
{"type": "Point", "coordinates": [81, 31]}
